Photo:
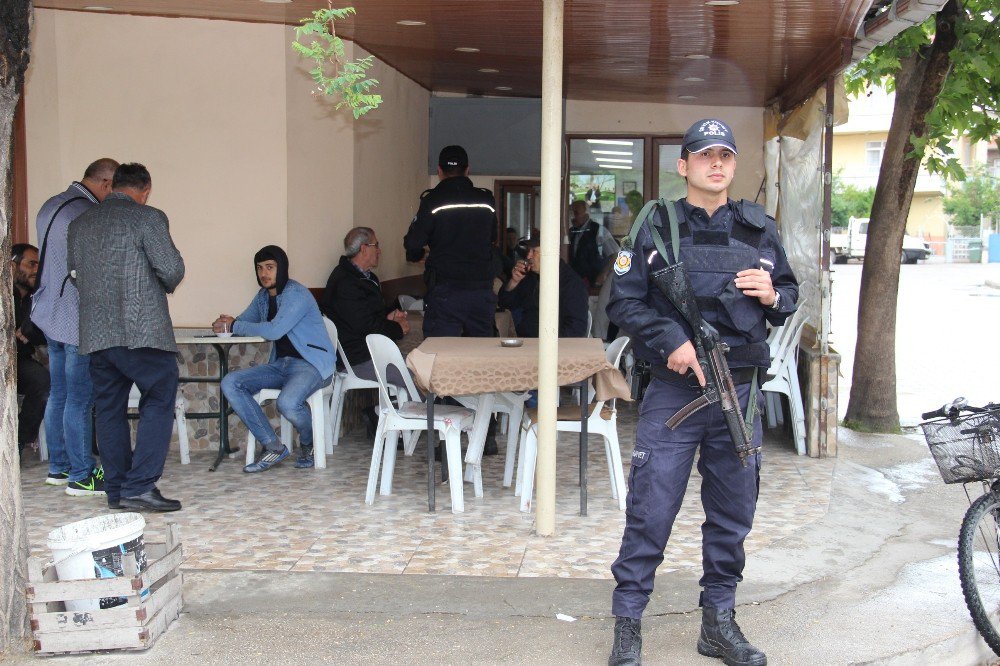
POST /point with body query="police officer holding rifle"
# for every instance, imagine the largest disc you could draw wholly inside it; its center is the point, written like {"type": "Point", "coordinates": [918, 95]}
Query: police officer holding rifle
{"type": "Point", "coordinates": [695, 284]}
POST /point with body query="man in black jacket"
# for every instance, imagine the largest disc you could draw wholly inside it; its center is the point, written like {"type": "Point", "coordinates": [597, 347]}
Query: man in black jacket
{"type": "Point", "coordinates": [521, 293]}
{"type": "Point", "coordinates": [32, 376]}
{"type": "Point", "coordinates": [353, 301]}
{"type": "Point", "coordinates": [457, 222]}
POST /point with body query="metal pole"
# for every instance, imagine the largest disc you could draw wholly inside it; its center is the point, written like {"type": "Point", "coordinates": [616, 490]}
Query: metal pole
{"type": "Point", "coordinates": [548, 301]}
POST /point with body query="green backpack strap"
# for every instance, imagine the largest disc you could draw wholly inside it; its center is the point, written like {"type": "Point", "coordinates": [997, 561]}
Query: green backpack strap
{"type": "Point", "coordinates": [646, 213]}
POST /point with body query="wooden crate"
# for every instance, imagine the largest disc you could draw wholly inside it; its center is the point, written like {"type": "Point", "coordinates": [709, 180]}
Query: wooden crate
{"type": "Point", "coordinates": [132, 626]}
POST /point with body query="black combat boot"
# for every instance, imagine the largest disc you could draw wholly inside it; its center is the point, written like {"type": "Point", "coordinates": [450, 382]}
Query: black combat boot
{"type": "Point", "coordinates": [628, 642]}
{"type": "Point", "coordinates": [721, 638]}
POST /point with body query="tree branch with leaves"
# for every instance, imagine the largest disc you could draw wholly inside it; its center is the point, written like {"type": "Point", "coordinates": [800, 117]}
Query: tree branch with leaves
{"type": "Point", "coordinates": [348, 79]}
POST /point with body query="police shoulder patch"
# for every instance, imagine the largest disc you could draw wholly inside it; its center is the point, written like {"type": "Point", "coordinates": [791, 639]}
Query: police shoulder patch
{"type": "Point", "coordinates": [623, 263]}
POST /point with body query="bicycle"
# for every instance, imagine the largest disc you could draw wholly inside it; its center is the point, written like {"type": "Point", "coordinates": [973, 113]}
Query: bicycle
{"type": "Point", "coordinates": [965, 443]}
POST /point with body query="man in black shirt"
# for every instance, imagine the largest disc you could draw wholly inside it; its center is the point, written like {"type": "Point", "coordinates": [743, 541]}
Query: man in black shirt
{"type": "Point", "coordinates": [32, 376]}
{"type": "Point", "coordinates": [521, 293]}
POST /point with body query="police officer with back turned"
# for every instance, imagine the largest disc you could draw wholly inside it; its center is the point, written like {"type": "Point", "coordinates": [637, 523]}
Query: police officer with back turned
{"type": "Point", "coordinates": [457, 223]}
{"type": "Point", "coordinates": [742, 280]}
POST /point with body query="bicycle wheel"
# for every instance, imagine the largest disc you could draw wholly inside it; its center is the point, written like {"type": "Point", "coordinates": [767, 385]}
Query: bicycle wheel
{"type": "Point", "coordinates": [979, 566]}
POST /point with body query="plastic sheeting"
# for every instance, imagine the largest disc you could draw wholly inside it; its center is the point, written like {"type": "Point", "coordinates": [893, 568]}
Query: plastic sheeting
{"type": "Point", "coordinates": [794, 187]}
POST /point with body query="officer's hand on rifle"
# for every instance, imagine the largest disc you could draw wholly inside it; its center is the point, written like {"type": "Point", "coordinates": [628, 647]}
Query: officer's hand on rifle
{"type": "Point", "coordinates": [756, 283]}
{"type": "Point", "coordinates": [684, 358]}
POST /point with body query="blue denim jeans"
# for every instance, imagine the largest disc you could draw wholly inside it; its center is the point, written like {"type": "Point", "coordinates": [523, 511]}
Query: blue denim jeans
{"type": "Point", "coordinates": [297, 379]}
{"type": "Point", "coordinates": [67, 414]}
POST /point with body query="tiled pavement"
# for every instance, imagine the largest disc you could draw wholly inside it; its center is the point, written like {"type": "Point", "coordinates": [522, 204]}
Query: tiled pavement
{"type": "Point", "coordinates": [288, 519]}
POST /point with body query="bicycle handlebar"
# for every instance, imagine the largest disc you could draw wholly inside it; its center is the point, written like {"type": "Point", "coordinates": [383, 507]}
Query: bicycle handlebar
{"type": "Point", "coordinates": [951, 409]}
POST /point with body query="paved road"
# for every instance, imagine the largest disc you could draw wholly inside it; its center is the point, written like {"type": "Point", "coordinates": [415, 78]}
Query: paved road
{"type": "Point", "coordinates": [947, 334]}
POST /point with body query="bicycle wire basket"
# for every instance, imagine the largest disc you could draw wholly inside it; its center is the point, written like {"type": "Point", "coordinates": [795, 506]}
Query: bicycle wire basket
{"type": "Point", "coordinates": [967, 449]}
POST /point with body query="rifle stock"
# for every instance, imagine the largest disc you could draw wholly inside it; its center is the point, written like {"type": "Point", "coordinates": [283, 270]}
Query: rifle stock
{"type": "Point", "coordinates": [675, 284]}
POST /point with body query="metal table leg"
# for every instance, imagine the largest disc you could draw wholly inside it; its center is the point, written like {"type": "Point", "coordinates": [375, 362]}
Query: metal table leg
{"type": "Point", "coordinates": [223, 409]}
{"type": "Point", "coordinates": [431, 437]}
{"type": "Point", "coordinates": [584, 407]}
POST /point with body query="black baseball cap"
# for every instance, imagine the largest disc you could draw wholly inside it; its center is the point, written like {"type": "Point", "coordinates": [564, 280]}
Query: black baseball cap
{"type": "Point", "coordinates": [534, 241]}
{"type": "Point", "coordinates": [709, 133]}
{"type": "Point", "coordinates": [453, 157]}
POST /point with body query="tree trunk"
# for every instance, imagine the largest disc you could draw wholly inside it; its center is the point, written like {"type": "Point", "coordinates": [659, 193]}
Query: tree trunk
{"type": "Point", "coordinates": [15, 17]}
{"type": "Point", "coordinates": [872, 405]}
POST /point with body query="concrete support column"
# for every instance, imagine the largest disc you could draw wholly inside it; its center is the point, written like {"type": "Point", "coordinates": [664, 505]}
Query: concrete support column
{"type": "Point", "coordinates": [548, 325]}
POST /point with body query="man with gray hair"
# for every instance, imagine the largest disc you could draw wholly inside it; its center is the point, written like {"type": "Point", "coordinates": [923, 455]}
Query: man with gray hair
{"type": "Point", "coordinates": [353, 301]}
{"type": "Point", "coordinates": [55, 310]}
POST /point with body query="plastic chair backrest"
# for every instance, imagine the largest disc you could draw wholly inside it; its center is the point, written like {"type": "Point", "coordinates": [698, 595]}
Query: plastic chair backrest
{"type": "Point", "coordinates": [385, 353]}
{"type": "Point", "coordinates": [614, 351]}
{"type": "Point", "coordinates": [590, 324]}
{"type": "Point", "coordinates": [341, 354]}
{"type": "Point", "coordinates": [787, 353]}
{"type": "Point", "coordinates": [331, 332]}
{"type": "Point", "coordinates": [785, 335]}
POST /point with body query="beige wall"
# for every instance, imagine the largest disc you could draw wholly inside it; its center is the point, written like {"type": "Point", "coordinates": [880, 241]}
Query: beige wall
{"type": "Point", "coordinates": [390, 158]}
{"type": "Point", "coordinates": [320, 158]}
{"type": "Point", "coordinates": [173, 94]}
{"type": "Point", "coordinates": [240, 153]}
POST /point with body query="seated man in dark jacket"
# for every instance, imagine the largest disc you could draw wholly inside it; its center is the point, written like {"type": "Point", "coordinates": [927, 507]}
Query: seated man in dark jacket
{"type": "Point", "coordinates": [353, 301]}
{"type": "Point", "coordinates": [521, 292]}
{"type": "Point", "coordinates": [32, 376]}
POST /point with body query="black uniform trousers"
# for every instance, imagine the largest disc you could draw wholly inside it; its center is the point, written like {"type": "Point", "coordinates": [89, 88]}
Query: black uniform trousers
{"type": "Point", "coordinates": [661, 465]}
{"type": "Point", "coordinates": [33, 384]}
{"type": "Point", "coordinates": [453, 310]}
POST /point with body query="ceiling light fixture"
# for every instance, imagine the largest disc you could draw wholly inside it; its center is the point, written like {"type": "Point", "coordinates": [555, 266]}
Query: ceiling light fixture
{"type": "Point", "coordinates": [467, 49]}
{"type": "Point", "coordinates": [98, 8]}
{"type": "Point", "coordinates": [616, 160]}
{"type": "Point", "coordinates": [409, 22]}
{"type": "Point", "coordinates": [693, 79]}
{"type": "Point", "coordinates": [611, 152]}
{"type": "Point", "coordinates": [687, 97]}
{"type": "Point", "coordinates": [504, 88]}
{"type": "Point", "coordinates": [697, 56]}
{"type": "Point", "coordinates": [610, 142]}
{"type": "Point", "coordinates": [722, 3]}
{"type": "Point", "coordinates": [277, 2]}
{"type": "Point", "coordinates": [615, 166]}
{"type": "Point", "coordinates": [489, 70]}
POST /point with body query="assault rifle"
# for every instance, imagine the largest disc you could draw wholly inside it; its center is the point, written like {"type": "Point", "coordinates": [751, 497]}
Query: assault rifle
{"type": "Point", "coordinates": [675, 284]}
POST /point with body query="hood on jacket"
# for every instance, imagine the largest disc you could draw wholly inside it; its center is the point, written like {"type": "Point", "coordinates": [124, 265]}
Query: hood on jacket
{"type": "Point", "coordinates": [276, 254]}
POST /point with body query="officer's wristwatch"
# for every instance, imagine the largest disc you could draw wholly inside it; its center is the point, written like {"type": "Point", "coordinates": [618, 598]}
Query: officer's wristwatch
{"type": "Point", "coordinates": [777, 300]}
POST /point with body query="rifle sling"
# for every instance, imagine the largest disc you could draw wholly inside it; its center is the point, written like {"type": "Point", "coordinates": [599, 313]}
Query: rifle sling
{"type": "Point", "coordinates": [675, 244]}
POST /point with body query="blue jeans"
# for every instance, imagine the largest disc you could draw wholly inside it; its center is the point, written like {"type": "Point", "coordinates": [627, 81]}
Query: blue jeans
{"type": "Point", "coordinates": [129, 473]}
{"type": "Point", "coordinates": [67, 414]}
{"type": "Point", "coordinates": [297, 379]}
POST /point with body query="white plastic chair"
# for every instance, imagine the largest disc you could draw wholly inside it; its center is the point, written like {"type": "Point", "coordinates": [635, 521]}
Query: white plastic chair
{"type": "Point", "coordinates": [411, 303]}
{"type": "Point", "coordinates": [603, 421]}
{"type": "Point", "coordinates": [343, 381]}
{"type": "Point", "coordinates": [449, 421]}
{"type": "Point", "coordinates": [180, 406]}
{"type": "Point", "coordinates": [512, 406]}
{"type": "Point", "coordinates": [784, 377]}
{"type": "Point", "coordinates": [318, 412]}
{"type": "Point", "coordinates": [322, 436]}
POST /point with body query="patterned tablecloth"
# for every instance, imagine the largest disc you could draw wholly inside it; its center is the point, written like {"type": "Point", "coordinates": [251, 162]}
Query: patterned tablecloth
{"type": "Point", "coordinates": [467, 366]}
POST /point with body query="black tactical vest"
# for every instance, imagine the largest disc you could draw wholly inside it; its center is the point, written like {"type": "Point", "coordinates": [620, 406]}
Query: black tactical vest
{"type": "Point", "coordinates": [713, 257]}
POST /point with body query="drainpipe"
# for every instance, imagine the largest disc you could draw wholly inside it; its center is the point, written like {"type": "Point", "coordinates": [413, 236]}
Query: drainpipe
{"type": "Point", "coordinates": [548, 300]}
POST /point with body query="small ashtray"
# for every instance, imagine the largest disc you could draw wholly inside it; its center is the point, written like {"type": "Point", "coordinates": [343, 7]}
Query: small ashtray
{"type": "Point", "coordinates": [228, 334]}
{"type": "Point", "coordinates": [511, 342]}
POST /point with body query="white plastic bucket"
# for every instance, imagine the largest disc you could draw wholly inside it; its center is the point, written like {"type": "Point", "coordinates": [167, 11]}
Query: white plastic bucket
{"type": "Point", "coordinates": [94, 548]}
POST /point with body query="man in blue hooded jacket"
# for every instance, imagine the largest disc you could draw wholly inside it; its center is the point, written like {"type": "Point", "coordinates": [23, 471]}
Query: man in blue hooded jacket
{"type": "Point", "coordinates": [302, 358]}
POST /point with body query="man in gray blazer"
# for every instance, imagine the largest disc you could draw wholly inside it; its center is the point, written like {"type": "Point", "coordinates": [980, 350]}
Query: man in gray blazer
{"type": "Point", "coordinates": [125, 263]}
